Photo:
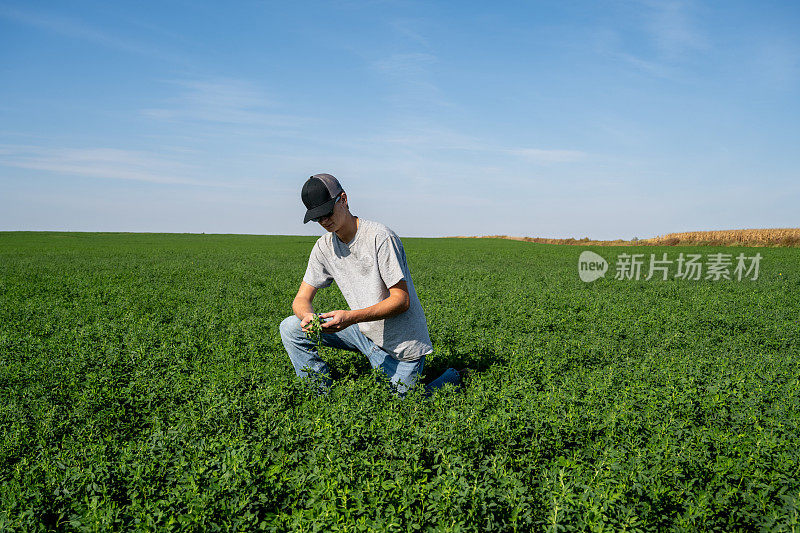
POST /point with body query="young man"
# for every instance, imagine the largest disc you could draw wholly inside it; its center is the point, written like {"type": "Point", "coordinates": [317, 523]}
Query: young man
{"type": "Point", "coordinates": [366, 259]}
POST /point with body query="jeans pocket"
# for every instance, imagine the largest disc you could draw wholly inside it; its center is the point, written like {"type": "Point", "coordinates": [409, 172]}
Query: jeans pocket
{"type": "Point", "coordinates": [378, 357]}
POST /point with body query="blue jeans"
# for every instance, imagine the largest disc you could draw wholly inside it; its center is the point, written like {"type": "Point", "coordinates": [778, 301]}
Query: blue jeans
{"type": "Point", "coordinates": [304, 356]}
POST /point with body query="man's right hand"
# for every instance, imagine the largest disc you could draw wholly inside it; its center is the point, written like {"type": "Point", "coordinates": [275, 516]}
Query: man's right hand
{"type": "Point", "coordinates": [308, 317]}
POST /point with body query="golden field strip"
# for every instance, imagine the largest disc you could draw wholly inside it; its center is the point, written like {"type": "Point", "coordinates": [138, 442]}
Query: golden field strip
{"type": "Point", "coordinates": [736, 237]}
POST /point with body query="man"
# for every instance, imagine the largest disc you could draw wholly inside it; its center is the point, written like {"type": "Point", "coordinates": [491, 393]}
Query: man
{"type": "Point", "coordinates": [366, 259]}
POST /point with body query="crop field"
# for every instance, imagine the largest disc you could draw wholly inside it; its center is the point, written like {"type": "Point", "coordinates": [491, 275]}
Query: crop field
{"type": "Point", "coordinates": [144, 386]}
{"type": "Point", "coordinates": [739, 237]}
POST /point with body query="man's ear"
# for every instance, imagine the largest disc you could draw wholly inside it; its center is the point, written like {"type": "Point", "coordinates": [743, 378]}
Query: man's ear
{"type": "Point", "coordinates": [344, 200]}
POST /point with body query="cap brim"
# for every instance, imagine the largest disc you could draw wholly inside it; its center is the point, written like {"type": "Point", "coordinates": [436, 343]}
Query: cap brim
{"type": "Point", "coordinates": [320, 210]}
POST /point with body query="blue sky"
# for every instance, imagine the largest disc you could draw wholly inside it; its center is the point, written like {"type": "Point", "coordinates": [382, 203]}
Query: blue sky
{"type": "Point", "coordinates": [606, 119]}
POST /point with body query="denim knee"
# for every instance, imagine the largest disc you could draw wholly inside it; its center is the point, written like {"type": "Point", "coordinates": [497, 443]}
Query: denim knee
{"type": "Point", "coordinates": [290, 328]}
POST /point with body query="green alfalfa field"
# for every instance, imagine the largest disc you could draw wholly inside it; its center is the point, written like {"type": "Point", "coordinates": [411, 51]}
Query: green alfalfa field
{"type": "Point", "coordinates": [144, 386]}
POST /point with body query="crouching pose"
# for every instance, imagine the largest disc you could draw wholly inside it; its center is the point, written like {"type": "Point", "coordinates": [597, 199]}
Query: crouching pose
{"type": "Point", "coordinates": [366, 259]}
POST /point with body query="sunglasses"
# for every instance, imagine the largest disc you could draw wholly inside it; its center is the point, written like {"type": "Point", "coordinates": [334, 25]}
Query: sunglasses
{"type": "Point", "coordinates": [317, 219]}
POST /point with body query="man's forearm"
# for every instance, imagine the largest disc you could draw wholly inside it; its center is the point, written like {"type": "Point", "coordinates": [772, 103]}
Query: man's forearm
{"type": "Point", "coordinates": [397, 302]}
{"type": "Point", "coordinates": [391, 306]}
{"type": "Point", "coordinates": [301, 308]}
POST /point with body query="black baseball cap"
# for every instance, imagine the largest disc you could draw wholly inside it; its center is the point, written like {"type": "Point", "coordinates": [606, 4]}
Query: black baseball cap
{"type": "Point", "coordinates": [319, 194]}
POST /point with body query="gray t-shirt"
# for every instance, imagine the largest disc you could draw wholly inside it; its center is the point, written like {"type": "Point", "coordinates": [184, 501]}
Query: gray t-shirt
{"type": "Point", "coordinates": [364, 269]}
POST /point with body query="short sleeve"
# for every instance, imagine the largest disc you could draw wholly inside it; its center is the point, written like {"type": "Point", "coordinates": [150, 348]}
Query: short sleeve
{"type": "Point", "coordinates": [317, 274]}
{"type": "Point", "coordinates": [391, 258]}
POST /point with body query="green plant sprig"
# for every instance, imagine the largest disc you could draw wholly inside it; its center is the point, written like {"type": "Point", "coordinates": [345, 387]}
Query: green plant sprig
{"type": "Point", "coordinates": [314, 329]}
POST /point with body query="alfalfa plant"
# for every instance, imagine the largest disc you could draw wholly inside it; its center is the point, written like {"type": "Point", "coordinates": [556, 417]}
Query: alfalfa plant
{"type": "Point", "coordinates": [314, 330]}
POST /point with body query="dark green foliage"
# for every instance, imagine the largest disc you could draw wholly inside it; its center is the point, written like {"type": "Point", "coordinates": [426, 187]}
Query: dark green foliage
{"type": "Point", "coordinates": [314, 329]}
{"type": "Point", "coordinates": [143, 385]}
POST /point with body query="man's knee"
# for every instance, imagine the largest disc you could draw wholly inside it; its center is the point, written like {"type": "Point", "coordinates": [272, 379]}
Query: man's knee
{"type": "Point", "coordinates": [290, 327]}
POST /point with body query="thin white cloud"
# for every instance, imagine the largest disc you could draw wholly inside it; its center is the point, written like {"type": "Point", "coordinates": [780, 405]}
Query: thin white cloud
{"type": "Point", "coordinates": [664, 38]}
{"type": "Point", "coordinates": [410, 81]}
{"type": "Point", "coordinates": [672, 29]}
{"type": "Point", "coordinates": [432, 138]}
{"type": "Point", "coordinates": [401, 66]}
{"type": "Point", "coordinates": [654, 68]}
{"type": "Point", "coordinates": [407, 28]}
{"type": "Point", "coordinates": [445, 140]}
{"type": "Point", "coordinates": [77, 29]}
{"type": "Point", "coordinates": [102, 163]}
{"type": "Point", "coordinates": [538, 155]}
{"type": "Point", "coordinates": [222, 101]}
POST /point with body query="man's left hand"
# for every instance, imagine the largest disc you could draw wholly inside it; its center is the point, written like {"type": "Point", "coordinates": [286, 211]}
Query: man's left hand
{"type": "Point", "coordinates": [336, 320]}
